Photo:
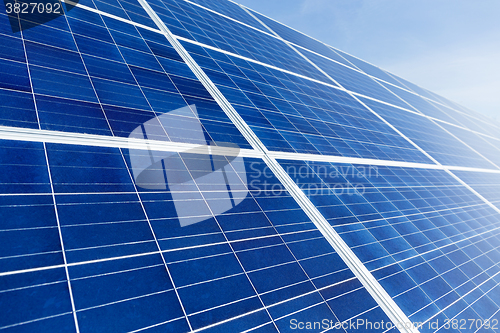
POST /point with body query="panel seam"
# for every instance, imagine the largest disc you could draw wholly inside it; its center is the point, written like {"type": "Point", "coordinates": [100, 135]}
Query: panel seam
{"type": "Point", "coordinates": [390, 125]}
{"type": "Point", "coordinates": [383, 299]}
{"type": "Point", "coordinates": [365, 277]}
{"type": "Point", "coordinates": [96, 140]}
{"type": "Point", "coordinates": [128, 21]}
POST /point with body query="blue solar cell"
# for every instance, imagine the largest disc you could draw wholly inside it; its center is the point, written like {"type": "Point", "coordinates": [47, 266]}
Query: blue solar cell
{"type": "Point", "coordinates": [57, 83]}
{"type": "Point", "coordinates": [58, 114]}
{"type": "Point", "coordinates": [23, 168]}
{"type": "Point", "coordinates": [109, 70]}
{"type": "Point", "coordinates": [135, 239]}
{"type": "Point", "coordinates": [46, 35]}
{"type": "Point", "coordinates": [56, 58]}
{"type": "Point", "coordinates": [120, 94]}
{"type": "Point", "coordinates": [12, 48]}
{"type": "Point", "coordinates": [14, 75]}
{"type": "Point", "coordinates": [114, 221]}
{"type": "Point", "coordinates": [214, 30]}
{"type": "Point", "coordinates": [405, 246]}
{"type": "Point", "coordinates": [18, 109]}
{"type": "Point", "coordinates": [95, 29]}
{"type": "Point", "coordinates": [97, 48]}
{"type": "Point", "coordinates": [432, 138]}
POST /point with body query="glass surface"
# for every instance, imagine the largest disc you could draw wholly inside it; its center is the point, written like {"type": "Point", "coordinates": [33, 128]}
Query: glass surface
{"type": "Point", "coordinates": [428, 240]}
{"type": "Point", "coordinates": [182, 238]}
{"type": "Point", "coordinates": [163, 239]}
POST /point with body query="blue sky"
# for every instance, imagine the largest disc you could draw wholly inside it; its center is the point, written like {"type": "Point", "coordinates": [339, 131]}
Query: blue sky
{"type": "Point", "coordinates": [451, 47]}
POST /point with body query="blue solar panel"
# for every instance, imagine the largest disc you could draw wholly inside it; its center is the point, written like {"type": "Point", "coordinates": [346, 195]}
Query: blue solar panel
{"type": "Point", "coordinates": [90, 82]}
{"type": "Point", "coordinates": [174, 166]}
{"type": "Point", "coordinates": [427, 239]}
{"type": "Point", "coordinates": [120, 233]}
{"type": "Point", "coordinates": [291, 114]}
{"type": "Point", "coordinates": [203, 26]}
{"type": "Point", "coordinates": [430, 137]}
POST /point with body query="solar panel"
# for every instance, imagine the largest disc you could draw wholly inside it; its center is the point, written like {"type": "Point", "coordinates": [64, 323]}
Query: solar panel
{"type": "Point", "coordinates": [428, 239]}
{"type": "Point", "coordinates": [185, 256]}
{"type": "Point", "coordinates": [434, 137]}
{"type": "Point", "coordinates": [291, 114]}
{"type": "Point", "coordinates": [300, 39]}
{"type": "Point", "coordinates": [195, 166]}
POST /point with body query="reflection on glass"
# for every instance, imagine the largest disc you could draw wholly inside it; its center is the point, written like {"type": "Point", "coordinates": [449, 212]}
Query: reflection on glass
{"type": "Point", "coordinates": [224, 176]}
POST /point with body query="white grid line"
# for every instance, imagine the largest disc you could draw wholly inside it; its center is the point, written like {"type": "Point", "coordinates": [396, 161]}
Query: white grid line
{"type": "Point", "coordinates": [65, 265]}
{"type": "Point", "coordinates": [283, 70]}
{"type": "Point", "coordinates": [404, 87]}
{"type": "Point", "coordinates": [358, 162]}
{"type": "Point", "coordinates": [34, 135]}
{"type": "Point", "coordinates": [410, 141]}
{"type": "Point", "coordinates": [387, 304]}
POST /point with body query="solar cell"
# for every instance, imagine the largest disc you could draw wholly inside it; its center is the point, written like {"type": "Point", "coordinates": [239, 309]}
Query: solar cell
{"type": "Point", "coordinates": [433, 137]}
{"type": "Point", "coordinates": [428, 240]}
{"type": "Point", "coordinates": [192, 165]}
{"type": "Point", "coordinates": [133, 249]}
{"type": "Point", "coordinates": [291, 114]}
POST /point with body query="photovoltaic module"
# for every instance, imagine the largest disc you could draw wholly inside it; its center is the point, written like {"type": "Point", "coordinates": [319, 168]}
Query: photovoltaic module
{"type": "Point", "coordinates": [195, 166]}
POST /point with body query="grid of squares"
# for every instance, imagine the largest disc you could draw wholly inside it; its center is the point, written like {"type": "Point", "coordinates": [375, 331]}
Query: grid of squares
{"type": "Point", "coordinates": [131, 250]}
{"type": "Point", "coordinates": [292, 114]}
{"type": "Point", "coordinates": [300, 39]}
{"type": "Point", "coordinates": [433, 139]}
{"type": "Point", "coordinates": [231, 10]}
{"type": "Point", "coordinates": [198, 24]}
{"type": "Point", "coordinates": [97, 75]}
{"type": "Point", "coordinates": [486, 184]}
{"type": "Point", "coordinates": [430, 242]}
{"type": "Point", "coordinates": [83, 231]}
